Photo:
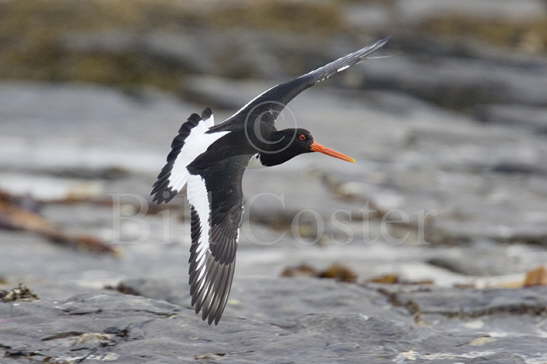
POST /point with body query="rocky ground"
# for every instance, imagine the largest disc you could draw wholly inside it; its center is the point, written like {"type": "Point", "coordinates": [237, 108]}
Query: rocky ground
{"type": "Point", "coordinates": [433, 229]}
{"type": "Point", "coordinates": [275, 320]}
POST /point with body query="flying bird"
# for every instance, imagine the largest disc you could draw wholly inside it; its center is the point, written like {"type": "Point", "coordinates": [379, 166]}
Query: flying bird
{"type": "Point", "coordinates": [211, 159]}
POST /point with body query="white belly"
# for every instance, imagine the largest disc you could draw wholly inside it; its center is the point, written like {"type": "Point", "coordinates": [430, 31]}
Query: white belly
{"type": "Point", "coordinates": [255, 162]}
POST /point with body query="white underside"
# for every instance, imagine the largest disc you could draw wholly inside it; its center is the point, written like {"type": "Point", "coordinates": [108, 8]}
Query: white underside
{"type": "Point", "coordinates": [199, 199]}
{"type": "Point", "coordinates": [255, 162]}
{"type": "Point", "coordinates": [195, 144]}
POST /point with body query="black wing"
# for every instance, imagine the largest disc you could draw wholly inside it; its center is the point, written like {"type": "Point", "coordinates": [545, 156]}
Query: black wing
{"type": "Point", "coordinates": [272, 101]}
{"type": "Point", "coordinates": [173, 175]}
{"type": "Point", "coordinates": [215, 194]}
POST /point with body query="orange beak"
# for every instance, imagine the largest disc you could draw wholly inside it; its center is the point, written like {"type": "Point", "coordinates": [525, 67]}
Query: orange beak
{"type": "Point", "coordinates": [316, 147]}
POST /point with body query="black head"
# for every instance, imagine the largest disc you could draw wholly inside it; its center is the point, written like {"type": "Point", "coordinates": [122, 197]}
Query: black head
{"type": "Point", "coordinates": [289, 143]}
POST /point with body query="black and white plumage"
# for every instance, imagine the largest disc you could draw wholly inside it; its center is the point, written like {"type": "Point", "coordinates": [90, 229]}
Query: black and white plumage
{"type": "Point", "coordinates": [211, 159]}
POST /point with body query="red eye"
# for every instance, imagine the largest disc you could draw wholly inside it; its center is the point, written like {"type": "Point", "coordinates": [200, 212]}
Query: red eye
{"type": "Point", "coordinates": [302, 137]}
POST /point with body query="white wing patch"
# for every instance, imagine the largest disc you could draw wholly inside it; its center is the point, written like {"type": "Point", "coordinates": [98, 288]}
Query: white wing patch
{"type": "Point", "coordinates": [199, 198]}
{"type": "Point", "coordinates": [343, 68]}
{"type": "Point", "coordinates": [195, 144]}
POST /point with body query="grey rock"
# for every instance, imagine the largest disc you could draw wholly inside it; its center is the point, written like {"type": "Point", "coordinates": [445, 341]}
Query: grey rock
{"type": "Point", "coordinates": [457, 83]}
{"type": "Point", "coordinates": [418, 10]}
{"type": "Point", "coordinates": [369, 15]}
{"type": "Point", "coordinates": [235, 53]}
{"type": "Point", "coordinates": [479, 180]}
{"type": "Point", "coordinates": [490, 259]}
{"type": "Point", "coordinates": [272, 321]}
{"type": "Point", "coordinates": [517, 116]}
{"type": "Point", "coordinates": [416, 159]}
{"type": "Point", "coordinates": [219, 92]}
{"type": "Point", "coordinates": [470, 303]}
{"type": "Point", "coordinates": [431, 46]}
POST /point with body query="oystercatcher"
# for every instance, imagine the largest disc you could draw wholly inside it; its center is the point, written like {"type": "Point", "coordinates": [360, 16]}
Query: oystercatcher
{"type": "Point", "coordinates": [210, 159]}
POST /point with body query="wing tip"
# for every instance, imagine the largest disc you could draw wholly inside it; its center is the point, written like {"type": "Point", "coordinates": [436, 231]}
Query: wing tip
{"type": "Point", "coordinates": [383, 41]}
{"type": "Point", "coordinates": [206, 113]}
{"type": "Point", "coordinates": [380, 43]}
{"type": "Point", "coordinates": [209, 293]}
{"type": "Point", "coordinates": [210, 317]}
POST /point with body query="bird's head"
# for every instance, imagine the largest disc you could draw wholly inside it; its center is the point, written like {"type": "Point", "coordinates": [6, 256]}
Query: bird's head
{"type": "Point", "coordinates": [291, 142]}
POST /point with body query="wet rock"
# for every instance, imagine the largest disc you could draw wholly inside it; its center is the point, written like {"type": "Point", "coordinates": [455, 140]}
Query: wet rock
{"type": "Point", "coordinates": [233, 52]}
{"type": "Point", "coordinates": [433, 47]}
{"type": "Point", "coordinates": [470, 191]}
{"type": "Point", "coordinates": [472, 303]}
{"type": "Point", "coordinates": [69, 336]}
{"type": "Point", "coordinates": [168, 50]}
{"type": "Point", "coordinates": [491, 259]}
{"type": "Point", "coordinates": [158, 289]}
{"type": "Point", "coordinates": [266, 317]}
{"type": "Point", "coordinates": [416, 158]}
{"type": "Point", "coordinates": [533, 119]}
{"type": "Point", "coordinates": [457, 83]}
{"type": "Point", "coordinates": [218, 92]}
{"type": "Point", "coordinates": [16, 215]}
{"type": "Point", "coordinates": [467, 218]}
{"type": "Point", "coordinates": [115, 48]}
{"type": "Point", "coordinates": [416, 10]}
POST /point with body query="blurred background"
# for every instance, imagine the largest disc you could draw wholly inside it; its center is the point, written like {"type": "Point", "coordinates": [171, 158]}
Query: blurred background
{"type": "Point", "coordinates": [450, 133]}
{"type": "Point", "coordinates": [439, 226]}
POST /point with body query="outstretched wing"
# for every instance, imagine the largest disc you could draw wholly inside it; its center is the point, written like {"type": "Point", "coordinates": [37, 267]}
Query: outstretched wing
{"type": "Point", "coordinates": [215, 195]}
{"type": "Point", "coordinates": [273, 101]}
{"type": "Point", "coordinates": [192, 140]}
